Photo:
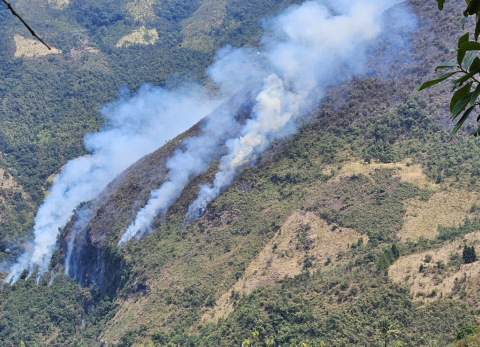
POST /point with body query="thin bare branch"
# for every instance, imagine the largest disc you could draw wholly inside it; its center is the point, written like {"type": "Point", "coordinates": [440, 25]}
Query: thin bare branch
{"type": "Point", "coordinates": [24, 23]}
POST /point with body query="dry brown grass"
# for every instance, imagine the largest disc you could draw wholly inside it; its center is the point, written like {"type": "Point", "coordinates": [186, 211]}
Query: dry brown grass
{"type": "Point", "coordinates": [405, 170]}
{"type": "Point", "coordinates": [141, 36]}
{"type": "Point", "coordinates": [447, 208]}
{"type": "Point", "coordinates": [26, 47]}
{"type": "Point", "coordinates": [406, 270]}
{"type": "Point", "coordinates": [284, 256]}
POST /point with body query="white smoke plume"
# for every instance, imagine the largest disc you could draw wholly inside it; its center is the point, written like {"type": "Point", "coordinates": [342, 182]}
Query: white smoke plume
{"type": "Point", "coordinates": [194, 160]}
{"type": "Point", "coordinates": [233, 70]}
{"type": "Point", "coordinates": [308, 48]}
{"type": "Point", "coordinates": [304, 50]}
{"type": "Point", "coordinates": [133, 128]}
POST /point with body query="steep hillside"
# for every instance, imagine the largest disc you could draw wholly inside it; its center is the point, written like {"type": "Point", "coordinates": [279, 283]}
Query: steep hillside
{"type": "Point", "coordinates": [51, 99]}
{"type": "Point", "coordinates": [319, 241]}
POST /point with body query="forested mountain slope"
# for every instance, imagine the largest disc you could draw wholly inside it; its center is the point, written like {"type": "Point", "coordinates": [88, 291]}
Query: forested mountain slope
{"type": "Point", "coordinates": [361, 216]}
{"type": "Point", "coordinates": [51, 99]}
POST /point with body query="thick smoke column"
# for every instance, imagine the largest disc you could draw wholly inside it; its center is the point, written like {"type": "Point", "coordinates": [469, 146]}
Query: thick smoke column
{"type": "Point", "coordinates": [133, 128]}
{"type": "Point", "coordinates": [270, 122]}
{"type": "Point", "coordinates": [194, 160]}
{"type": "Point", "coordinates": [232, 70]}
{"type": "Point", "coordinates": [304, 50]}
{"type": "Point", "coordinates": [309, 49]}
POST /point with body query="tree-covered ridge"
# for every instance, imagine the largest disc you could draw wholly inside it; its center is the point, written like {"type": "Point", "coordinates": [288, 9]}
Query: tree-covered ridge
{"type": "Point", "coordinates": [342, 174]}
{"type": "Point", "coordinates": [282, 185]}
{"type": "Point", "coordinates": [49, 102]}
{"type": "Point", "coordinates": [221, 251]}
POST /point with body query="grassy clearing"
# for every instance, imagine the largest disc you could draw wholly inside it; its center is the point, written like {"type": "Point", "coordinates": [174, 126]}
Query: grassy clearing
{"type": "Point", "coordinates": [447, 208]}
{"type": "Point", "coordinates": [25, 47]}
{"type": "Point", "coordinates": [436, 273]}
{"type": "Point", "coordinates": [304, 242]}
{"type": "Point", "coordinates": [140, 36]}
{"type": "Point", "coordinates": [8, 182]}
{"type": "Point", "coordinates": [405, 171]}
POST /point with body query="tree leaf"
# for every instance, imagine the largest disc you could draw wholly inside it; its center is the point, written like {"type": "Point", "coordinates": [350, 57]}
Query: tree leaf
{"type": "Point", "coordinates": [475, 95]}
{"type": "Point", "coordinates": [461, 52]}
{"type": "Point", "coordinates": [430, 83]}
{"type": "Point", "coordinates": [475, 64]}
{"type": "Point", "coordinates": [460, 56]}
{"type": "Point", "coordinates": [469, 46]}
{"type": "Point", "coordinates": [461, 80]}
{"type": "Point", "coordinates": [468, 58]}
{"type": "Point", "coordinates": [461, 121]}
{"type": "Point", "coordinates": [471, 8]}
{"type": "Point", "coordinates": [460, 105]}
{"type": "Point", "coordinates": [446, 64]}
{"type": "Point", "coordinates": [464, 20]}
{"type": "Point", "coordinates": [440, 4]}
{"type": "Point", "coordinates": [459, 94]}
{"type": "Point", "coordinates": [463, 39]}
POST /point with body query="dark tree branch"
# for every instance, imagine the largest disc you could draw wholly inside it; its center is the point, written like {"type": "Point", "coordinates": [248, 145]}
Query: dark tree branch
{"type": "Point", "coordinates": [24, 23]}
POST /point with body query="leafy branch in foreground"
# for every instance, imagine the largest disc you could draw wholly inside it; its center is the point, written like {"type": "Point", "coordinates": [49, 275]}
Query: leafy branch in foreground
{"type": "Point", "coordinates": [24, 23]}
{"type": "Point", "coordinates": [466, 69]}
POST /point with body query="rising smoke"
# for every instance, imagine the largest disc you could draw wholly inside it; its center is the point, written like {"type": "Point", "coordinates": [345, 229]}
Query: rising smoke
{"type": "Point", "coordinates": [194, 160]}
{"type": "Point", "coordinates": [133, 128]}
{"type": "Point", "coordinates": [309, 49]}
{"type": "Point", "coordinates": [305, 50]}
{"type": "Point", "coordinates": [237, 72]}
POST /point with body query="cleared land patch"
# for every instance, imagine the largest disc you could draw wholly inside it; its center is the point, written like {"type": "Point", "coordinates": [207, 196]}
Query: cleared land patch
{"type": "Point", "coordinates": [26, 47]}
{"type": "Point", "coordinates": [141, 36]}
{"type": "Point", "coordinates": [439, 272]}
{"type": "Point", "coordinates": [405, 170]}
{"type": "Point", "coordinates": [7, 181]}
{"type": "Point", "coordinates": [446, 208]}
{"type": "Point", "coordinates": [59, 4]}
{"type": "Point", "coordinates": [304, 241]}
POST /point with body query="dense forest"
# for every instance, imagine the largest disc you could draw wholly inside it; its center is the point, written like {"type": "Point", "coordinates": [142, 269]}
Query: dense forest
{"type": "Point", "coordinates": [50, 102]}
{"type": "Point", "coordinates": [361, 229]}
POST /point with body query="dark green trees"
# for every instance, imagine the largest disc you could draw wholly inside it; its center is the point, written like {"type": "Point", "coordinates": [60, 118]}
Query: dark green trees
{"type": "Point", "coordinates": [469, 255]}
{"type": "Point", "coordinates": [387, 328]}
